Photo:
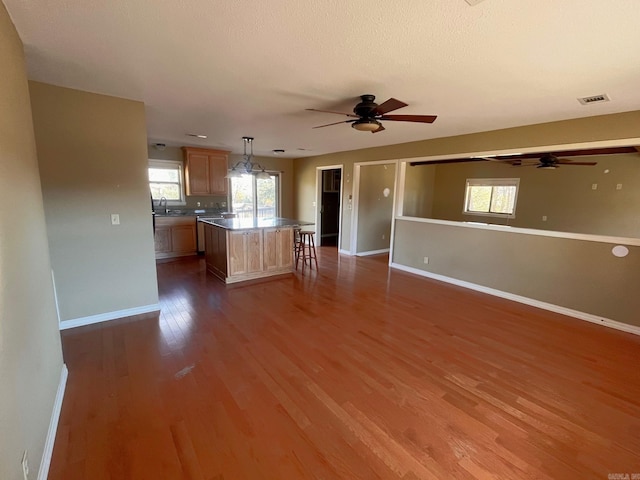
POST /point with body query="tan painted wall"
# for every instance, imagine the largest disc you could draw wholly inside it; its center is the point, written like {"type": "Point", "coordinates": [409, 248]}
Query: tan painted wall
{"type": "Point", "coordinates": [279, 164]}
{"type": "Point", "coordinates": [30, 351]}
{"type": "Point", "coordinates": [564, 195]}
{"type": "Point", "coordinates": [375, 211]}
{"type": "Point", "coordinates": [419, 189]}
{"type": "Point", "coordinates": [583, 130]}
{"type": "Point", "coordinates": [576, 274]}
{"type": "Point", "coordinates": [93, 162]}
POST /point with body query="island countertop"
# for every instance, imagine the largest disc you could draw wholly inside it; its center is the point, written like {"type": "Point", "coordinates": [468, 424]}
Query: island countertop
{"type": "Point", "coordinates": [252, 223]}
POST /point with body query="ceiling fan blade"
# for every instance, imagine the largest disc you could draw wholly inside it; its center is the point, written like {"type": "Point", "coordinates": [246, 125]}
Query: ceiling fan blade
{"type": "Point", "coordinates": [334, 123]}
{"type": "Point", "coordinates": [389, 106]}
{"type": "Point", "coordinates": [410, 118]}
{"type": "Point", "coordinates": [591, 164]}
{"type": "Point", "coordinates": [331, 111]}
{"type": "Point", "coordinates": [380, 128]}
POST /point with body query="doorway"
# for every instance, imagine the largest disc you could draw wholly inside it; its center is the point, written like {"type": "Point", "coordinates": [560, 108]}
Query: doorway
{"type": "Point", "coordinates": [329, 195]}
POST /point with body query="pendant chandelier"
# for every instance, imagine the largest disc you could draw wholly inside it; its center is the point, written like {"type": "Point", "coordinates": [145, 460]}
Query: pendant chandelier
{"type": "Point", "coordinates": [247, 165]}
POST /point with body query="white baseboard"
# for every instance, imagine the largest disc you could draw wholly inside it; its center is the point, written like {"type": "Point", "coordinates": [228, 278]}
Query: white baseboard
{"type": "Point", "coordinates": [589, 317]}
{"type": "Point", "coordinates": [103, 317]}
{"type": "Point", "coordinates": [43, 472]}
{"type": "Point", "coordinates": [344, 252]}
{"type": "Point", "coordinates": [372, 252]}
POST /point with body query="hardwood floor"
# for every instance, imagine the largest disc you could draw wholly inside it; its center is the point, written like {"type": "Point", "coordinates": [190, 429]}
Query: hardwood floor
{"type": "Point", "coordinates": [352, 372]}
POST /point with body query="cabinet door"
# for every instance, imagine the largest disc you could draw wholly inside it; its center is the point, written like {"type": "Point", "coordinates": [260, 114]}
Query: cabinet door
{"type": "Point", "coordinates": [163, 239]}
{"type": "Point", "coordinates": [278, 249]}
{"type": "Point", "coordinates": [270, 255]}
{"type": "Point", "coordinates": [218, 166]}
{"type": "Point", "coordinates": [197, 173]}
{"type": "Point", "coordinates": [183, 239]}
{"type": "Point", "coordinates": [284, 247]}
{"type": "Point", "coordinates": [237, 252]}
{"type": "Point", "coordinates": [254, 251]}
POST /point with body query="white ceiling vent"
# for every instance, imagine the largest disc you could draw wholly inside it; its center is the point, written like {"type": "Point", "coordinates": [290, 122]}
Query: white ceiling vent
{"type": "Point", "coordinates": [594, 99]}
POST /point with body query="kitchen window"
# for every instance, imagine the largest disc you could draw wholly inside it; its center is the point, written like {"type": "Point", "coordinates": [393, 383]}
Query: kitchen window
{"type": "Point", "coordinates": [166, 179]}
{"type": "Point", "coordinates": [494, 197]}
{"type": "Point", "coordinates": [253, 197]}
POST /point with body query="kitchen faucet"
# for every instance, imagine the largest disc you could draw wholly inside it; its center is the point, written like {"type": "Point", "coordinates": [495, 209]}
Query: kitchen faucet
{"type": "Point", "coordinates": [165, 204]}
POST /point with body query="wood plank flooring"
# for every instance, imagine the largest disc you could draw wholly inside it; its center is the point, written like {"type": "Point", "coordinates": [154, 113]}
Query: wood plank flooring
{"type": "Point", "coordinates": [350, 372]}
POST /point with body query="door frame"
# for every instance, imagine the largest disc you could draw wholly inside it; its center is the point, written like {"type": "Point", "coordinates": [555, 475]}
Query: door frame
{"type": "Point", "coordinates": [318, 201]}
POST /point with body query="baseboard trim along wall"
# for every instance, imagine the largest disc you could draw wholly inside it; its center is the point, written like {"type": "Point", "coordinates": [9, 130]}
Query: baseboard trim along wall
{"type": "Point", "coordinates": [344, 252]}
{"type": "Point", "coordinates": [104, 317]}
{"type": "Point", "coordinates": [372, 252]}
{"type": "Point", "coordinates": [520, 299]}
{"type": "Point", "coordinates": [43, 472]}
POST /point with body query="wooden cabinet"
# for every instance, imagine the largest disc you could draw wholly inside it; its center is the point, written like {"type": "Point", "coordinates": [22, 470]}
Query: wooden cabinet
{"type": "Point", "coordinates": [278, 249]}
{"type": "Point", "coordinates": [245, 252]}
{"type": "Point", "coordinates": [175, 236]}
{"type": "Point", "coordinates": [205, 171]}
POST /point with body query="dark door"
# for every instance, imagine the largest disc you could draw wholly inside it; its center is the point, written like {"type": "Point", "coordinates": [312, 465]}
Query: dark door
{"type": "Point", "coordinates": [330, 207]}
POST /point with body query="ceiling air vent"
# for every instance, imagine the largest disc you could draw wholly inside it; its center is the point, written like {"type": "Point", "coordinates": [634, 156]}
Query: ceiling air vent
{"type": "Point", "coordinates": [594, 99]}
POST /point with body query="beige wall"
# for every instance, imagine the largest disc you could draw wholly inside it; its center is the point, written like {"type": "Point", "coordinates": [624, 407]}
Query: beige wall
{"type": "Point", "coordinates": [375, 211]}
{"type": "Point", "coordinates": [565, 195]}
{"type": "Point", "coordinates": [418, 191]}
{"type": "Point", "coordinates": [277, 164]}
{"type": "Point", "coordinates": [92, 154]}
{"type": "Point", "coordinates": [576, 274]}
{"type": "Point", "coordinates": [582, 130]}
{"type": "Point", "coordinates": [30, 352]}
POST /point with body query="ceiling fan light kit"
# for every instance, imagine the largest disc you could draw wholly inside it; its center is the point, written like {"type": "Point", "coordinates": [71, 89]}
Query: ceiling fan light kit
{"type": "Point", "coordinates": [366, 125]}
{"type": "Point", "coordinates": [247, 165]}
{"type": "Point", "coordinates": [367, 114]}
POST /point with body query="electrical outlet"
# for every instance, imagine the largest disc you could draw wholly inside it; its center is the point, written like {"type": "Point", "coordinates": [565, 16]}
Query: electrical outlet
{"type": "Point", "coordinates": [383, 236]}
{"type": "Point", "coordinates": [594, 186]}
{"type": "Point", "coordinates": [426, 260]}
{"type": "Point", "coordinates": [544, 218]}
{"type": "Point", "coordinates": [25, 465]}
{"type": "Point", "coordinates": [115, 219]}
{"type": "Point", "coordinates": [619, 186]}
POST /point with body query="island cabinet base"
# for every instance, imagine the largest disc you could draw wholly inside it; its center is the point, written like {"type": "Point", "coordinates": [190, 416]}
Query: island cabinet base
{"type": "Point", "coordinates": [240, 255]}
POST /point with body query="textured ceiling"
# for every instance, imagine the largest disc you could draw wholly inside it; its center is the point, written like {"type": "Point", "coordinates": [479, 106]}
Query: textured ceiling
{"type": "Point", "coordinates": [249, 67]}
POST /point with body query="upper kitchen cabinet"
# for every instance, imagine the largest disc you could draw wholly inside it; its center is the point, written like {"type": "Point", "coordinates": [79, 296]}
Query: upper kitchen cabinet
{"type": "Point", "coordinates": [205, 171]}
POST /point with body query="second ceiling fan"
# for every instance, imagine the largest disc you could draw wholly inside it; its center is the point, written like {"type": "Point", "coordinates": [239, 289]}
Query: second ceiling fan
{"type": "Point", "coordinates": [367, 114]}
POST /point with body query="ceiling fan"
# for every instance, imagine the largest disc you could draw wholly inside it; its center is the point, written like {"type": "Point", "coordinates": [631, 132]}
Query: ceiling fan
{"type": "Point", "coordinates": [548, 161]}
{"type": "Point", "coordinates": [368, 114]}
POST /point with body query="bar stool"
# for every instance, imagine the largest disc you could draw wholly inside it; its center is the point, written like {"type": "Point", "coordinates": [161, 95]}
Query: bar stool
{"type": "Point", "coordinates": [306, 249]}
{"type": "Point", "coordinates": [297, 245]}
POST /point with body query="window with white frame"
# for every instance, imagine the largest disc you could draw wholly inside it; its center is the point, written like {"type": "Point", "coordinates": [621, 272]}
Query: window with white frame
{"type": "Point", "coordinates": [166, 180]}
{"type": "Point", "coordinates": [494, 197]}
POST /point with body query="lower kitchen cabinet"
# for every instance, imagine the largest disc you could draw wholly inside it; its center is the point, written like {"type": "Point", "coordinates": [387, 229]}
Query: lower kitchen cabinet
{"type": "Point", "coordinates": [175, 236]}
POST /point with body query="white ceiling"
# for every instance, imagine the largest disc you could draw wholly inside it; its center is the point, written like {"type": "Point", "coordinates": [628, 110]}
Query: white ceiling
{"type": "Point", "coordinates": [250, 67]}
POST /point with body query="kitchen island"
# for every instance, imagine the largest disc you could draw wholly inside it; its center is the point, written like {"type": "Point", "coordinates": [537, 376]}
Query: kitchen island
{"type": "Point", "coordinates": [237, 250]}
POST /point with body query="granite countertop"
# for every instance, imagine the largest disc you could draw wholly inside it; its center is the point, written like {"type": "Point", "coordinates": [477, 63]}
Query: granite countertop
{"type": "Point", "coordinates": [250, 223]}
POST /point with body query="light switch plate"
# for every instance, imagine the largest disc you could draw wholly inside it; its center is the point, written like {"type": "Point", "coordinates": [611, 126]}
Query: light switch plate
{"type": "Point", "coordinates": [115, 219]}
